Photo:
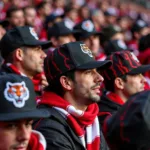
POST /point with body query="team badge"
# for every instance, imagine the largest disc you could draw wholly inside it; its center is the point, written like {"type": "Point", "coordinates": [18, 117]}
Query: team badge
{"type": "Point", "coordinates": [17, 93]}
{"type": "Point", "coordinates": [86, 50]}
{"type": "Point", "coordinates": [34, 34]}
{"type": "Point", "coordinates": [88, 26]}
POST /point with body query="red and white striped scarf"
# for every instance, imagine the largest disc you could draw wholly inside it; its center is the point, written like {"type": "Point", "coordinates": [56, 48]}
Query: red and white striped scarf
{"type": "Point", "coordinates": [77, 119]}
{"type": "Point", "coordinates": [37, 141]}
{"type": "Point", "coordinates": [36, 79]}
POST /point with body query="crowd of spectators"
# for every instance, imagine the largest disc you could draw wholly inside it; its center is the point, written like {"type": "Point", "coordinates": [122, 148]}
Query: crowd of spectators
{"type": "Point", "coordinates": [85, 42]}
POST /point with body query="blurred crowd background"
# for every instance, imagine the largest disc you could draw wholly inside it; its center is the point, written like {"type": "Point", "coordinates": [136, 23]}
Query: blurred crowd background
{"type": "Point", "coordinates": [124, 20]}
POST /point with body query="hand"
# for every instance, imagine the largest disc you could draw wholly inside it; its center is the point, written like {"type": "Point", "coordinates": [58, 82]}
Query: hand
{"type": "Point", "coordinates": [44, 82]}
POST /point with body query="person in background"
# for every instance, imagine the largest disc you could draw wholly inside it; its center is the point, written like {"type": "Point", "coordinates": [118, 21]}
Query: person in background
{"type": "Point", "coordinates": [88, 34]}
{"type": "Point", "coordinates": [70, 16]}
{"type": "Point", "coordinates": [138, 29]}
{"type": "Point", "coordinates": [72, 97]}
{"type": "Point", "coordinates": [30, 15]}
{"type": "Point", "coordinates": [17, 112]}
{"type": "Point", "coordinates": [98, 19]}
{"type": "Point", "coordinates": [23, 54]}
{"type": "Point", "coordinates": [123, 79]}
{"type": "Point", "coordinates": [60, 34]}
{"type": "Point", "coordinates": [144, 55]}
{"type": "Point", "coordinates": [15, 16]}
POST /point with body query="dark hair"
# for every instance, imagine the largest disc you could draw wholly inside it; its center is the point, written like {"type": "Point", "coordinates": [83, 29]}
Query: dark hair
{"type": "Point", "coordinates": [144, 42]}
{"type": "Point", "coordinates": [9, 58]}
{"type": "Point", "coordinates": [109, 84]}
{"type": "Point", "coordinates": [12, 10]}
{"type": "Point", "coordinates": [56, 86]}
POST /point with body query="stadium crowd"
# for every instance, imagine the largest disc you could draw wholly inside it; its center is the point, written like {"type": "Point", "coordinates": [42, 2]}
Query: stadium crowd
{"type": "Point", "coordinates": [74, 75]}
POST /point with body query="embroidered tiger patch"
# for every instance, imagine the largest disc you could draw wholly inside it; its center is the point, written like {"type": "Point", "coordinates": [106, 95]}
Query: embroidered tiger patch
{"type": "Point", "coordinates": [17, 93]}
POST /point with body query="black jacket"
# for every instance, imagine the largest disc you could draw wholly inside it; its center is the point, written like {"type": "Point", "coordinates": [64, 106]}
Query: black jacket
{"type": "Point", "coordinates": [107, 107]}
{"type": "Point", "coordinates": [58, 133]}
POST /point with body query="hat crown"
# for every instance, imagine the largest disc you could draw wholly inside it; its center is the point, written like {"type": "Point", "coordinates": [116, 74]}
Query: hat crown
{"type": "Point", "coordinates": [123, 62]}
{"type": "Point", "coordinates": [65, 58]}
{"type": "Point", "coordinates": [17, 94]}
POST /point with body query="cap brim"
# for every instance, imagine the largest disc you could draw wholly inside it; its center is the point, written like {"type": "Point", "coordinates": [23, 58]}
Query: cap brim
{"type": "Point", "coordinates": [96, 64]}
{"type": "Point", "coordinates": [84, 35]}
{"type": "Point", "coordinates": [32, 114]}
{"type": "Point", "coordinates": [44, 45]}
{"type": "Point", "coordinates": [69, 32]}
{"type": "Point", "coordinates": [140, 69]}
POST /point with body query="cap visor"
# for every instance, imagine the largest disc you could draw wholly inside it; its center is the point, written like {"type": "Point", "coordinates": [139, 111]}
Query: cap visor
{"type": "Point", "coordinates": [84, 35]}
{"type": "Point", "coordinates": [44, 45]}
{"type": "Point", "coordinates": [96, 64]}
{"type": "Point", "coordinates": [33, 114]}
{"type": "Point", "coordinates": [140, 69]}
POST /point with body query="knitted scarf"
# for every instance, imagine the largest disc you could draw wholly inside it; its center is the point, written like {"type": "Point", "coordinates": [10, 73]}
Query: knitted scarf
{"type": "Point", "coordinates": [36, 79]}
{"type": "Point", "coordinates": [115, 98]}
{"type": "Point", "coordinates": [77, 119]}
{"type": "Point", "coordinates": [37, 141]}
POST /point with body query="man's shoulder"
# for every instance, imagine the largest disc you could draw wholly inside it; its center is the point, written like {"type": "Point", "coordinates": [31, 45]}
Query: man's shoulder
{"type": "Point", "coordinates": [57, 131]}
{"type": "Point", "coordinates": [54, 121]}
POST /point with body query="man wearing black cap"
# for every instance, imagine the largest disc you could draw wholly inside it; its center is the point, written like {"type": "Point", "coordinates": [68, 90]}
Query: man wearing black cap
{"type": "Point", "coordinates": [17, 111]}
{"type": "Point", "coordinates": [123, 79]}
{"type": "Point", "coordinates": [115, 46]}
{"type": "Point", "coordinates": [88, 34]}
{"type": "Point", "coordinates": [23, 54]}
{"type": "Point", "coordinates": [138, 29]}
{"type": "Point", "coordinates": [71, 97]}
{"type": "Point", "coordinates": [60, 34]}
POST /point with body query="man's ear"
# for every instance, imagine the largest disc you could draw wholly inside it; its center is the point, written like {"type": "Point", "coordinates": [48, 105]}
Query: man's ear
{"type": "Point", "coordinates": [66, 83]}
{"type": "Point", "coordinates": [119, 83]}
{"type": "Point", "coordinates": [19, 54]}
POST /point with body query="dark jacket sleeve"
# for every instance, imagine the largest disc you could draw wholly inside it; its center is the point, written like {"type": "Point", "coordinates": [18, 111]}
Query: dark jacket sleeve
{"type": "Point", "coordinates": [56, 137]}
{"type": "Point", "coordinates": [58, 133]}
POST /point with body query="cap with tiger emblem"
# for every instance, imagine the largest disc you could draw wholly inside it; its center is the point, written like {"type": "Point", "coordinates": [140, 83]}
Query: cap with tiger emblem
{"type": "Point", "coordinates": [18, 99]}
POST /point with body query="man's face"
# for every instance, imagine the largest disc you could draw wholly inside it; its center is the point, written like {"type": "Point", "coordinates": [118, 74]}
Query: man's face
{"type": "Point", "coordinates": [118, 36]}
{"type": "Point", "coordinates": [86, 87]}
{"type": "Point", "coordinates": [30, 15]}
{"type": "Point", "coordinates": [47, 8]}
{"type": "Point", "coordinates": [17, 18]}
{"type": "Point", "coordinates": [93, 43]}
{"type": "Point", "coordinates": [66, 39]}
{"type": "Point", "coordinates": [133, 84]}
{"type": "Point", "coordinates": [15, 135]}
{"type": "Point", "coordinates": [145, 31]}
{"type": "Point", "coordinates": [33, 60]}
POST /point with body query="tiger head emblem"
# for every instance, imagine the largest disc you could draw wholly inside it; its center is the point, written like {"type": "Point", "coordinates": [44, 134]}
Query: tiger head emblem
{"type": "Point", "coordinates": [17, 93]}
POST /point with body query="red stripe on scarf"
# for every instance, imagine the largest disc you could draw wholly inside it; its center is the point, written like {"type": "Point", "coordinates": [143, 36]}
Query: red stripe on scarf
{"type": "Point", "coordinates": [36, 79]}
{"type": "Point", "coordinates": [76, 120]}
{"type": "Point", "coordinates": [37, 141]}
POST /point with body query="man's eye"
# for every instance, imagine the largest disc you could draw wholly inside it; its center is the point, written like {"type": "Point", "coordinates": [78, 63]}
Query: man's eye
{"type": "Point", "coordinates": [29, 123]}
{"type": "Point", "coordinates": [88, 71]}
{"type": "Point", "coordinates": [11, 126]}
